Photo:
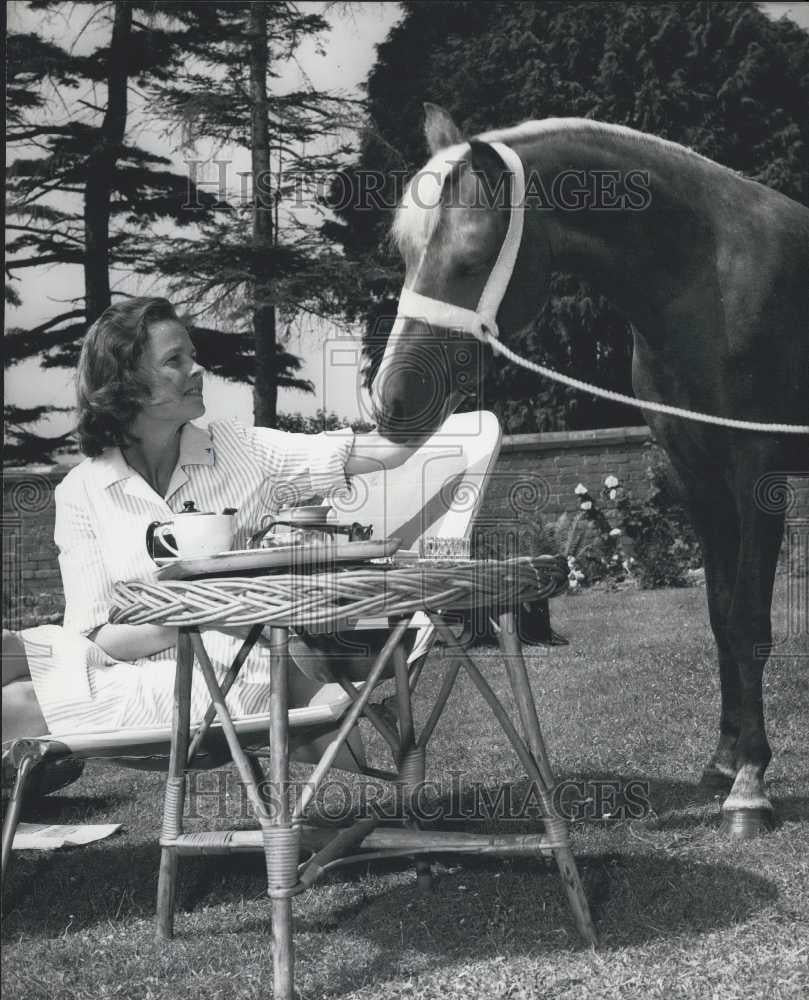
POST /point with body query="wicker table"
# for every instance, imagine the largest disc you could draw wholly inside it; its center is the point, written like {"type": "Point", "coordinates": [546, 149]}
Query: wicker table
{"type": "Point", "coordinates": [326, 599]}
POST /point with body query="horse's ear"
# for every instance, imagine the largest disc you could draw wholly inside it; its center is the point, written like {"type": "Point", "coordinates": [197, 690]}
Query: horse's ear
{"type": "Point", "coordinates": [439, 128]}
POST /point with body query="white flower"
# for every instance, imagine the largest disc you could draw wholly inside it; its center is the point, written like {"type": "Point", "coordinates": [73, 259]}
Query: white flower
{"type": "Point", "coordinates": [577, 573]}
{"type": "Point", "coordinates": [611, 482]}
{"type": "Point", "coordinates": [613, 494]}
{"type": "Point", "coordinates": [586, 504]}
{"type": "Point", "coordinates": [572, 584]}
{"type": "Point", "coordinates": [615, 532]}
{"type": "Point", "coordinates": [580, 490]}
{"type": "Point", "coordinates": [571, 561]}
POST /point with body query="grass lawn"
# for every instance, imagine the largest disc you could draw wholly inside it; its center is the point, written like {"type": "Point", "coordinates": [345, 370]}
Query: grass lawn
{"type": "Point", "coordinates": [681, 912]}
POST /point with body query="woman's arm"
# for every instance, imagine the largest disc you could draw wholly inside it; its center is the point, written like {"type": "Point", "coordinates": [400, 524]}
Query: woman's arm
{"type": "Point", "coordinates": [130, 642]}
{"type": "Point", "coordinates": [88, 584]}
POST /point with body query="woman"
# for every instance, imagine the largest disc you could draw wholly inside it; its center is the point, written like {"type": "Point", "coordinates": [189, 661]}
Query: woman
{"type": "Point", "coordinates": [139, 386]}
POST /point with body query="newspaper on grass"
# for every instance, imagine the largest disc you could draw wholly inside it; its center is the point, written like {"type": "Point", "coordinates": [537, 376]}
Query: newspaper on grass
{"type": "Point", "coordinates": [50, 836]}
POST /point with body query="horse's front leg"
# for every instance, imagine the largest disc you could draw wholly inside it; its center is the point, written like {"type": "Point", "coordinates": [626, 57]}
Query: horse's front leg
{"type": "Point", "coordinates": [718, 528]}
{"type": "Point", "coordinates": [747, 810]}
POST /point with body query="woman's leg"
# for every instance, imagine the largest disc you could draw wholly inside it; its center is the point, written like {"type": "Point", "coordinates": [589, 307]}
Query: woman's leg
{"type": "Point", "coordinates": [349, 653]}
{"type": "Point", "coordinates": [23, 719]}
{"type": "Point", "coordinates": [21, 714]}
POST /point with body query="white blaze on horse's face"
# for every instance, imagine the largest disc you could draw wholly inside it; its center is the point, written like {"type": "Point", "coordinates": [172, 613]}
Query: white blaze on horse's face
{"type": "Point", "coordinates": [459, 229]}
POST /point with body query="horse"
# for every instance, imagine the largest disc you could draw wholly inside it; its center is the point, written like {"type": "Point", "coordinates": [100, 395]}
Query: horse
{"type": "Point", "coordinates": [711, 270]}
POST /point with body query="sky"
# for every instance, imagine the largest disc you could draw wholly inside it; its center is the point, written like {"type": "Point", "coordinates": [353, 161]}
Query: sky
{"type": "Point", "coordinates": [331, 357]}
{"type": "Point", "coordinates": [796, 11]}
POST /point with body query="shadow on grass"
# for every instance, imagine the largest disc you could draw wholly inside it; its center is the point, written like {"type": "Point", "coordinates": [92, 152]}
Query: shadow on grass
{"type": "Point", "coordinates": [73, 809]}
{"type": "Point", "coordinates": [482, 907]}
{"type": "Point", "coordinates": [478, 911]}
{"type": "Point", "coordinates": [519, 909]}
{"type": "Point", "coordinates": [115, 881]}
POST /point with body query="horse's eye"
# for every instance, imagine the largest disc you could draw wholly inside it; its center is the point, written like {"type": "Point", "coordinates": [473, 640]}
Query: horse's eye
{"type": "Point", "coordinates": [469, 268]}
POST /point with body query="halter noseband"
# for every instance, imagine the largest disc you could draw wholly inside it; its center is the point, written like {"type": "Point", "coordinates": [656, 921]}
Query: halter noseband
{"type": "Point", "coordinates": [482, 321]}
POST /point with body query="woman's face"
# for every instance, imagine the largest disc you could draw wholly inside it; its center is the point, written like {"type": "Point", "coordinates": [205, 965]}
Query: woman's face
{"type": "Point", "coordinates": [175, 378]}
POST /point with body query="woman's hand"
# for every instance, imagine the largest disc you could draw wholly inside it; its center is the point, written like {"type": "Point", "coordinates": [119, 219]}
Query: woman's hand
{"type": "Point", "coordinates": [372, 452]}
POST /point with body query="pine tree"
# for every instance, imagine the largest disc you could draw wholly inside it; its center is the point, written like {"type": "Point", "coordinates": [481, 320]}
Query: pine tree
{"type": "Point", "coordinates": [258, 264]}
{"type": "Point", "coordinates": [77, 191]}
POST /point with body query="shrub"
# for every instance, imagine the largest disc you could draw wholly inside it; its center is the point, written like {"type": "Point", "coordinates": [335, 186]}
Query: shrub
{"type": "Point", "coordinates": [321, 421]}
{"type": "Point", "coordinates": [648, 539]}
{"type": "Point", "coordinates": [613, 538]}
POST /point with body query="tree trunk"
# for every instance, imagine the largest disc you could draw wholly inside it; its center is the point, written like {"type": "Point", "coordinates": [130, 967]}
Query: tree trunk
{"type": "Point", "coordinates": [101, 169]}
{"type": "Point", "coordinates": [265, 389]}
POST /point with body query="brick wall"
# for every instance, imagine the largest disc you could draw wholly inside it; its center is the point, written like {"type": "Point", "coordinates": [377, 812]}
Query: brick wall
{"type": "Point", "coordinates": [536, 475]}
{"type": "Point", "coordinates": [533, 481]}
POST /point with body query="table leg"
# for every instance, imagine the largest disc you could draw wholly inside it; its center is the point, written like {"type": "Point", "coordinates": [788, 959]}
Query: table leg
{"type": "Point", "coordinates": [511, 649]}
{"type": "Point", "coordinates": [281, 833]}
{"type": "Point", "coordinates": [556, 826]}
{"type": "Point", "coordinates": [411, 761]}
{"type": "Point", "coordinates": [175, 783]}
{"type": "Point", "coordinates": [226, 685]}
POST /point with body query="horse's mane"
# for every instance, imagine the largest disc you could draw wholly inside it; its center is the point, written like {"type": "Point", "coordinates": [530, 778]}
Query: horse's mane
{"type": "Point", "coordinates": [552, 126]}
{"type": "Point", "coordinates": [417, 215]}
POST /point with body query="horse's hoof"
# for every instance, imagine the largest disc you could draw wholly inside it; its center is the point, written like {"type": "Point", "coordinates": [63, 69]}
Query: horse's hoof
{"type": "Point", "coordinates": [713, 780]}
{"type": "Point", "coordinates": [744, 824]}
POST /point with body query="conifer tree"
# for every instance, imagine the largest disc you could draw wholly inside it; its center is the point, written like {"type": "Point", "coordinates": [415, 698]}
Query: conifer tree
{"type": "Point", "coordinates": [78, 192]}
{"type": "Point", "coordinates": [723, 79]}
{"type": "Point", "coordinates": [262, 262]}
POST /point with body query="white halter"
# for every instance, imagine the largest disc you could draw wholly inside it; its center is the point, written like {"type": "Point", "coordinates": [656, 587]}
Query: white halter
{"type": "Point", "coordinates": [482, 320]}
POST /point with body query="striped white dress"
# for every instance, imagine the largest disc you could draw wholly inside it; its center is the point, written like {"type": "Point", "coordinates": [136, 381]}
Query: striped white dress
{"type": "Point", "coordinates": [103, 508]}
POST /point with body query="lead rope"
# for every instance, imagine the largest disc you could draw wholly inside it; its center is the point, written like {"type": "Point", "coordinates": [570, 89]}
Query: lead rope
{"type": "Point", "coordinates": [487, 337]}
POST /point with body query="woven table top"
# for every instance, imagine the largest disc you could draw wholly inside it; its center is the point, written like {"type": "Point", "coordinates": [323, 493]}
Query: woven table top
{"type": "Point", "coordinates": [341, 594]}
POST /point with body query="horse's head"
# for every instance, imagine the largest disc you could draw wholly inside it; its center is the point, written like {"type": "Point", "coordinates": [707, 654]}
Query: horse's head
{"type": "Point", "coordinates": [467, 269]}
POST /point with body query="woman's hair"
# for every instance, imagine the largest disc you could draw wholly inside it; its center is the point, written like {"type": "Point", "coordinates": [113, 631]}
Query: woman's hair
{"type": "Point", "coordinates": [111, 387]}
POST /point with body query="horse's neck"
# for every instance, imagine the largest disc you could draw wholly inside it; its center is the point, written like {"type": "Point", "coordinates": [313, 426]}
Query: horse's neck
{"type": "Point", "coordinates": [645, 255]}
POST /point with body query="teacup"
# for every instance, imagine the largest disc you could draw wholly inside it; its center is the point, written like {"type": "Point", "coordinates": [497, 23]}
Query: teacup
{"type": "Point", "coordinates": [192, 534]}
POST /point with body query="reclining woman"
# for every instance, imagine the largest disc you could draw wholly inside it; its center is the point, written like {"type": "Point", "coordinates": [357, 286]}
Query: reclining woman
{"type": "Point", "coordinates": [139, 386]}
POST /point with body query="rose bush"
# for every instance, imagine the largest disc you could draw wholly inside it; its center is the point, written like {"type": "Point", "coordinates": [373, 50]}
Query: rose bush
{"type": "Point", "coordinates": [615, 538]}
{"type": "Point", "coordinates": [619, 537]}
